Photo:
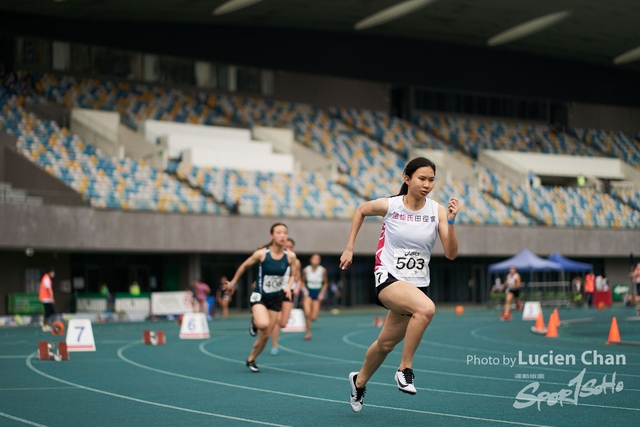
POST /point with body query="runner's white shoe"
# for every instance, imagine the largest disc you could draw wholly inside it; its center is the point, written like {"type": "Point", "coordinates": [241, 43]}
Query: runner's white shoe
{"type": "Point", "coordinates": [252, 366]}
{"type": "Point", "coordinates": [357, 394]}
{"type": "Point", "coordinates": [404, 379]}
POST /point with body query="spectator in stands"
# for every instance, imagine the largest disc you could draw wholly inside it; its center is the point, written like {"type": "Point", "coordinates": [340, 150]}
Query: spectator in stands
{"type": "Point", "coordinates": [582, 181]}
{"type": "Point", "coordinates": [201, 290]}
{"type": "Point", "coordinates": [590, 287]}
{"type": "Point", "coordinates": [46, 297]}
{"type": "Point", "coordinates": [532, 178]}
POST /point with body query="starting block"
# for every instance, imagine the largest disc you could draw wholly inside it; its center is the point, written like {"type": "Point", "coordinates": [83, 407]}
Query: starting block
{"type": "Point", "coordinates": [154, 338]}
{"type": "Point", "coordinates": [45, 351]}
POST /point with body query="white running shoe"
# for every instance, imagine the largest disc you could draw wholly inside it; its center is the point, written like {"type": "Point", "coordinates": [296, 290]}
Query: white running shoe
{"type": "Point", "coordinates": [404, 379]}
{"type": "Point", "coordinates": [357, 394]}
{"type": "Point", "coordinates": [252, 366]}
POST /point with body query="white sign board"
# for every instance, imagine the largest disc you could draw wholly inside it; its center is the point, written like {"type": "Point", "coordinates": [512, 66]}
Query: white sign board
{"type": "Point", "coordinates": [296, 321]}
{"type": "Point", "coordinates": [80, 335]}
{"type": "Point", "coordinates": [194, 326]}
{"type": "Point", "coordinates": [531, 310]}
{"type": "Point", "coordinates": [163, 303]}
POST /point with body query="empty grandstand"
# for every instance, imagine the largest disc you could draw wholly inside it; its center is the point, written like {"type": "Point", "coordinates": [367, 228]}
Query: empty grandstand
{"type": "Point", "coordinates": [141, 138]}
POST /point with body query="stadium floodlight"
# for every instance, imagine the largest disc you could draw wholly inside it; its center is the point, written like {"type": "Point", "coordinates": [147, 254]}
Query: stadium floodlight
{"type": "Point", "coordinates": [628, 56]}
{"type": "Point", "coordinates": [527, 28]}
{"type": "Point", "coordinates": [393, 12]}
{"type": "Point", "coordinates": [233, 5]}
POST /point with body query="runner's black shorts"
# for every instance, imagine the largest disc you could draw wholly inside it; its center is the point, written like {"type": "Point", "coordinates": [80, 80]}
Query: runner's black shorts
{"type": "Point", "coordinates": [515, 292]}
{"type": "Point", "coordinates": [273, 303]}
{"type": "Point", "coordinates": [390, 280]}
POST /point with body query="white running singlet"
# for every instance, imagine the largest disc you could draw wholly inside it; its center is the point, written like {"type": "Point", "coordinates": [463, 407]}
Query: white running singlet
{"type": "Point", "coordinates": [406, 242]}
{"type": "Point", "coordinates": [315, 279]}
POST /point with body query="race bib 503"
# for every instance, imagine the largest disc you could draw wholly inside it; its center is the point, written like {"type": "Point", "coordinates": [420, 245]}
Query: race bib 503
{"type": "Point", "coordinates": [409, 263]}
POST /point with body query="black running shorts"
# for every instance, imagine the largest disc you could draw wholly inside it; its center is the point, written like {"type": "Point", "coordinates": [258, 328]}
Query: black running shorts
{"type": "Point", "coordinates": [390, 280]}
{"type": "Point", "coordinates": [273, 303]}
{"type": "Point", "coordinates": [515, 292]}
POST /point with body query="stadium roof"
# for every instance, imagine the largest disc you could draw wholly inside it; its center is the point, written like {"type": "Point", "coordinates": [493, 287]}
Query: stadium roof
{"type": "Point", "coordinates": [593, 31]}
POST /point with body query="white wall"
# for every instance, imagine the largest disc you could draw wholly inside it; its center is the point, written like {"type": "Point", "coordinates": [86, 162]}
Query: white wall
{"type": "Point", "coordinates": [178, 143]}
{"type": "Point", "coordinates": [515, 165]}
{"type": "Point", "coordinates": [105, 122]}
{"type": "Point", "coordinates": [281, 139]}
{"type": "Point", "coordinates": [154, 129]}
{"type": "Point", "coordinates": [235, 159]}
{"type": "Point", "coordinates": [137, 147]}
{"type": "Point", "coordinates": [99, 128]}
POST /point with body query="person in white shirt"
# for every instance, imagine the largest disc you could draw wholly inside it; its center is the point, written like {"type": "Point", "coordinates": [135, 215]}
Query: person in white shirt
{"type": "Point", "coordinates": [411, 226]}
{"type": "Point", "coordinates": [315, 280]}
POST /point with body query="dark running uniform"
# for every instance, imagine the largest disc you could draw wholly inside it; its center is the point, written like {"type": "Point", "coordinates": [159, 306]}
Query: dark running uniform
{"type": "Point", "coordinates": [273, 276]}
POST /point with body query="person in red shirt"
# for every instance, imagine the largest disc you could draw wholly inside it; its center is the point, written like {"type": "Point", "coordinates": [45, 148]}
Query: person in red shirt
{"type": "Point", "coordinates": [590, 287]}
{"type": "Point", "coordinates": [46, 297]}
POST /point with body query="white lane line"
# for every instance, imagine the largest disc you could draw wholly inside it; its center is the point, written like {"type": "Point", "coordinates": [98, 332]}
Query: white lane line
{"type": "Point", "coordinates": [430, 389]}
{"type": "Point", "coordinates": [322, 399]}
{"type": "Point", "coordinates": [493, 379]}
{"type": "Point", "coordinates": [147, 402]}
{"type": "Point", "coordinates": [22, 356]}
{"type": "Point", "coordinates": [36, 388]}
{"type": "Point", "coordinates": [226, 359]}
{"type": "Point", "coordinates": [22, 420]}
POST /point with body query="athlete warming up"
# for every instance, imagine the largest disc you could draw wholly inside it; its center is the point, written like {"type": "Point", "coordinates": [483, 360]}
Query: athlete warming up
{"type": "Point", "coordinates": [412, 222]}
{"type": "Point", "coordinates": [314, 277]}
{"type": "Point", "coordinates": [276, 273]}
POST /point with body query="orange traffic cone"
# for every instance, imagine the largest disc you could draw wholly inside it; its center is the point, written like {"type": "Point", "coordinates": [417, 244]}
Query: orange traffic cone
{"type": "Point", "coordinates": [614, 333]}
{"type": "Point", "coordinates": [556, 317]}
{"type": "Point", "coordinates": [539, 327]}
{"type": "Point", "coordinates": [552, 330]}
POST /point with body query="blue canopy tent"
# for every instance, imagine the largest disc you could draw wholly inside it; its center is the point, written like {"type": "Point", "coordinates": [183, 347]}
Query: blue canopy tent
{"type": "Point", "coordinates": [525, 260]}
{"type": "Point", "coordinates": [570, 265]}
